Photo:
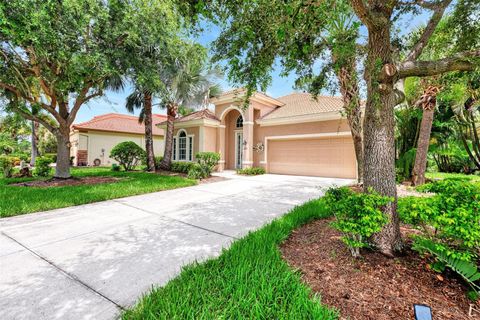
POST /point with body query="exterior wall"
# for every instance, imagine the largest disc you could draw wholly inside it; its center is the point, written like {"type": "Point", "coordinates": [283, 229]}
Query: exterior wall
{"type": "Point", "coordinates": [210, 139]}
{"type": "Point", "coordinates": [99, 144]}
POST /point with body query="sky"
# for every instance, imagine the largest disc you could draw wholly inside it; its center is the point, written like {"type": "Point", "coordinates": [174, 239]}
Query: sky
{"type": "Point", "coordinates": [280, 86]}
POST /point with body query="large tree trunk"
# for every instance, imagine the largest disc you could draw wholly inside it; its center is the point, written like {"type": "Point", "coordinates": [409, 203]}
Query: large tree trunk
{"type": "Point", "coordinates": [34, 151]}
{"type": "Point", "coordinates": [379, 141]}
{"type": "Point", "coordinates": [418, 172]}
{"type": "Point", "coordinates": [167, 155]}
{"type": "Point", "coordinates": [148, 132]}
{"type": "Point", "coordinates": [347, 79]}
{"type": "Point", "coordinates": [62, 169]}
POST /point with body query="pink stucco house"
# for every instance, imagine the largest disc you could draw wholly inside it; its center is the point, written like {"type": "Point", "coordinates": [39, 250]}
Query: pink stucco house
{"type": "Point", "coordinates": [294, 134]}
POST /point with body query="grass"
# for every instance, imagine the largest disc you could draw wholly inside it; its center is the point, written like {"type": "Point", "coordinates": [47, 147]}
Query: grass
{"type": "Point", "coordinates": [250, 280]}
{"type": "Point", "coordinates": [18, 200]}
{"type": "Point", "coordinates": [444, 175]}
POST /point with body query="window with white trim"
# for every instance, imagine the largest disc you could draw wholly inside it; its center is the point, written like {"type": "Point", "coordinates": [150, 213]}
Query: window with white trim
{"type": "Point", "coordinates": [182, 146]}
{"type": "Point", "coordinates": [174, 155]}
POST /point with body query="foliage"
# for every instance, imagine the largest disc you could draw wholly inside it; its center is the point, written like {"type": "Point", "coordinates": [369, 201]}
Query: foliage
{"type": "Point", "coordinates": [466, 269]}
{"type": "Point", "coordinates": [115, 167]}
{"type": "Point", "coordinates": [450, 219]}
{"type": "Point", "coordinates": [204, 166]}
{"type": "Point", "coordinates": [251, 171]}
{"type": "Point", "coordinates": [158, 160]}
{"type": "Point", "coordinates": [182, 166]}
{"type": "Point", "coordinates": [53, 50]}
{"type": "Point", "coordinates": [40, 199]}
{"type": "Point", "coordinates": [196, 172]}
{"type": "Point", "coordinates": [357, 215]}
{"type": "Point", "coordinates": [127, 154]}
{"type": "Point", "coordinates": [249, 280]}
{"type": "Point", "coordinates": [42, 166]}
{"type": "Point", "coordinates": [6, 165]}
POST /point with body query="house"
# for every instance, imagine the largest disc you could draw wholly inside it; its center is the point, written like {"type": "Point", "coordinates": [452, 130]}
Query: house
{"type": "Point", "coordinates": [92, 141]}
{"type": "Point", "coordinates": [294, 134]}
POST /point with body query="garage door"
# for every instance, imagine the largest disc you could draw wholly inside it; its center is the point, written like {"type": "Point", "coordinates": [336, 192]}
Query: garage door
{"type": "Point", "coordinates": [323, 157]}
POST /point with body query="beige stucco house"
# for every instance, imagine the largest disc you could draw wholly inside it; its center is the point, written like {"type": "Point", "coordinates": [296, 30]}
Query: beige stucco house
{"type": "Point", "coordinates": [92, 141]}
{"type": "Point", "coordinates": [294, 134]}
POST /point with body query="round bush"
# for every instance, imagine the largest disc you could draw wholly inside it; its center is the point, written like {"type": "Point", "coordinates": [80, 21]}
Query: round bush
{"type": "Point", "coordinates": [128, 154]}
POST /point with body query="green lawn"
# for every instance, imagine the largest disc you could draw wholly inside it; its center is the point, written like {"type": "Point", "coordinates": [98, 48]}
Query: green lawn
{"type": "Point", "coordinates": [250, 280]}
{"type": "Point", "coordinates": [17, 200]}
{"type": "Point", "coordinates": [443, 175]}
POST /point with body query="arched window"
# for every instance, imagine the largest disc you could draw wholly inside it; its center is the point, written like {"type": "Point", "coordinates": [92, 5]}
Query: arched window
{"type": "Point", "coordinates": [182, 146]}
{"type": "Point", "coordinates": [239, 123]}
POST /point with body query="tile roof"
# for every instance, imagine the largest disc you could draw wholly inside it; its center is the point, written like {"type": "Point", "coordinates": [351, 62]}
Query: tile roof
{"type": "Point", "coordinates": [197, 115]}
{"type": "Point", "coordinates": [115, 122]}
{"type": "Point", "coordinates": [299, 104]}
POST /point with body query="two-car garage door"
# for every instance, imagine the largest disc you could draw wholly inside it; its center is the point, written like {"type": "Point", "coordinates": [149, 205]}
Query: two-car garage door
{"type": "Point", "coordinates": [323, 157]}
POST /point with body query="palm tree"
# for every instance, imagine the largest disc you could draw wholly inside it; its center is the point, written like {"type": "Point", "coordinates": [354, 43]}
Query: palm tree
{"type": "Point", "coordinates": [188, 85]}
{"type": "Point", "coordinates": [142, 99]}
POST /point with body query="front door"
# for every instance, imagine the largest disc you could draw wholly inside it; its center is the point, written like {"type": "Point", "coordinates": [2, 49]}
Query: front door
{"type": "Point", "coordinates": [238, 149]}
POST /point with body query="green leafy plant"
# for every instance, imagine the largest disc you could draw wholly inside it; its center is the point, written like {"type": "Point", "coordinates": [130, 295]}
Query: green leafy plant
{"type": "Point", "coordinates": [42, 166]}
{"type": "Point", "coordinates": [181, 167]}
{"type": "Point", "coordinates": [203, 168]}
{"type": "Point", "coordinates": [6, 164]}
{"type": "Point", "coordinates": [451, 218]}
{"type": "Point", "coordinates": [467, 270]}
{"type": "Point", "coordinates": [158, 160]}
{"type": "Point", "coordinates": [357, 215]}
{"type": "Point", "coordinates": [128, 154]}
{"type": "Point", "coordinates": [115, 167]}
{"type": "Point", "coordinates": [252, 171]}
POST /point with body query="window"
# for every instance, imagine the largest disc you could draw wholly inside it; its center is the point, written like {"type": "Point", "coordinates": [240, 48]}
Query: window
{"type": "Point", "coordinates": [174, 149]}
{"type": "Point", "coordinates": [239, 123]}
{"type": "Point", "coordinates": [190, 148]}
{"type": "Point", "coordinates": [182, 146]}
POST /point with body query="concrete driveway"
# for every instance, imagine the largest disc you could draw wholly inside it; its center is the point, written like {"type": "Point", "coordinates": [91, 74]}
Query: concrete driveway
{"type": "Point", "coordinates": [90, 261]}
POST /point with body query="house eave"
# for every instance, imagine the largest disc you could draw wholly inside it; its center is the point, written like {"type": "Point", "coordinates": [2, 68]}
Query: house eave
{"type": "Point", "coordinates": [335, 115]}
{"type": "Point", "coordinates": [193, 123]}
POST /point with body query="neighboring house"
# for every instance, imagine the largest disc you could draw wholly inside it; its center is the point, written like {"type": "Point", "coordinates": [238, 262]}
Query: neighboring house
{"type": "Point", "coordinates": [293, 134]}
{"type": "Point", "coordinates": [93, 140]}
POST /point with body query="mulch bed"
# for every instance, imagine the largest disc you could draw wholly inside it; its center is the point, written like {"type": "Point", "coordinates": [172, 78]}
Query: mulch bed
{"type": "Point", "coordinates": [66, 182]}
{"type": "Point", "coordinates": [374, 286]}
{"type": "Point", "coordinates": [202, 181]}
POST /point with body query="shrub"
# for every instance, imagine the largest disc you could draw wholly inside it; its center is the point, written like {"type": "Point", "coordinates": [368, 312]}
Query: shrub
{"type": "Point", "coordinates": [253, 171]}
{"type": "Point", "coordinates": [6, 165]}
{"type": "Point", "coordinates": [357, 215]}
{"type": "Point", "coordinates": [42, 166]}
{"type": "Point", "coordinates": [115, 167]}
{"type": "Point", "coordinates": [158, 160]}
{"type": "Point", "coordinates": [181, 167]}
{"type": "Point", "coordinates": [451, 218]}
{"type": "Point", "coordinates": [203, 168]}
{"type": "Point", "coordinates": [207, 161]}
{"type": "Point", "coordinates": [52, 156]}
{"type": "Point", "coordinates": [196, 172]}
{"type": "Point", "coordinates": [128, 154]}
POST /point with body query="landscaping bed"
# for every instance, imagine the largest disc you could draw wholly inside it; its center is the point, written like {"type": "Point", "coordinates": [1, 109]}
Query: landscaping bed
{"type": "Point", "coordinates": [66, 182]}
{"type": "Point", "coordinates": [372, 286]}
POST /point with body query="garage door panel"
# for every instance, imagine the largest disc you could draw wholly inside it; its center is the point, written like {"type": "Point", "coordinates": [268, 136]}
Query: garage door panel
{"type": "Point", "coordinates": [326, 157]}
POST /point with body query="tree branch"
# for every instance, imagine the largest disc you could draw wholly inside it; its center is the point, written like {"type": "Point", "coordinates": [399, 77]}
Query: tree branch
{"type": "Point", "coordinates": [457, 62]}
{"type": "Point", "coordinates": [438, 12]}
{"type": "Point", "coordinates": [31, 117]}
{"type": "Point", "coordinates": [362, 12]}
